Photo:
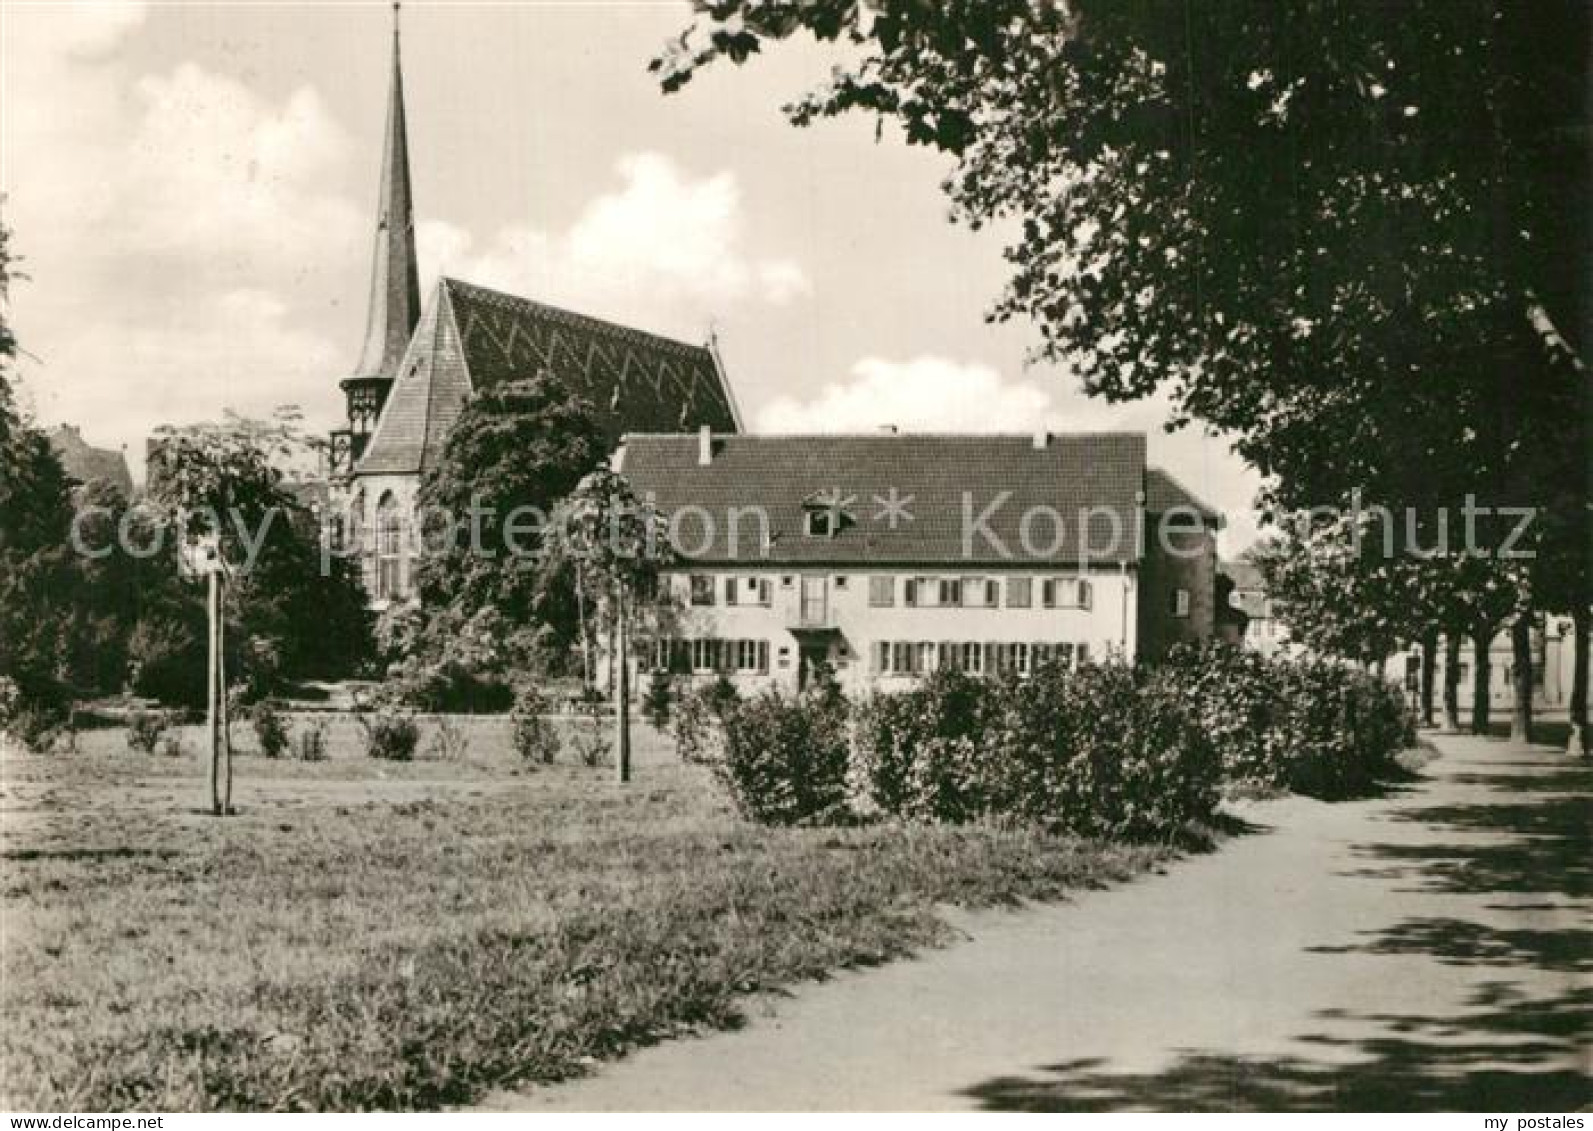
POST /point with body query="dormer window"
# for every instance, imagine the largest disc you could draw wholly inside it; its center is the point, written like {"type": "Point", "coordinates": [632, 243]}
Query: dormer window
{"type": "Point", "coordinates": [824, 513]}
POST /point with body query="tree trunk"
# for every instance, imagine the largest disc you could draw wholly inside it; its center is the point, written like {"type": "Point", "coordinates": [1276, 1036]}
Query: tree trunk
{"type": "Point", "coordinates": [1521, 672]}
{"type": "Point", "coordinates": [622, 694]}
{"type": "Point", "coordinates": [1452, 682]}
{"type": "Point", "coordinates": [580, 621]}
{"type": "Point", "coordinates": [1581, 624]}
{"type": "Point", "coordinates": [1481, 641]}
{"type": "Point", "coordinates": [1429, 668]}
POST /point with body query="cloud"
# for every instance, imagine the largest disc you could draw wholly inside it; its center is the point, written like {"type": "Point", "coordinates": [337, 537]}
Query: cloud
{"type": "Point", "coordinates": [178, 236]}
{"type": "Point", "coordinates": [923, 394]}
{"type": "Point", "coordinates": [938, 394]}
{"type": "Point", "coordinates": [662, 249]}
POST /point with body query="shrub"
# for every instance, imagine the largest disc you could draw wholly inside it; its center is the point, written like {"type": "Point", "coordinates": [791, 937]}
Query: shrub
{"type": "Point", "coordinates": [1312, 726]}
{"type": "Point", "coordinates": [270, 729]}
{"type": "Point", "coordinates": [785, 759]}
{"type": "Point", "coordinates": [447, 739]}
{"type": "Point", "coordinates": [589, 733]}
{"type": "Point", "coordinates": [172, 746]}
{"type": "Point", "coordinates": [389, 737]}
{"type": "Point", "coordinates": [658, 699]}
{"type": "Point", "coordinates": [10, 701]}
{"type": "Point", "coordinates": [699, 716]}
{"type": "Point", "coordinates": [144, 729]}
{"type": "Point", "coordinates": [1104, 751]}
{"type": "Point", "coordinates": [40, 729]}
{"type": "Point", "coordinates": [310, 743]}
{"type": "Point", "coordinates": [535, 738]}
{"type": "Point", "coordinates": [36, 724]}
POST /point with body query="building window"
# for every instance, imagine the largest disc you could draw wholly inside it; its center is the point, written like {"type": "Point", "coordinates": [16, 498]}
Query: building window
{"type": "Point", "coordinates": [389, 549]}
{"type": "Point", "coordinates": [752, 656]}
{"type": "Point", "coordinates": [730, 590]}
{"type": "Point", "coordinates": [1081, 652]}
{"type": "Point", "coordinates": [950, 592]}
{"type": "Point", "coordinates": [881, 591]}
{"type": "Point", "coordinates": [840, 581]}
{"type": "Point", "coordinates": [702, 589]}
{"type": "Point", "coordinates": [1180, 602]}
{"type": "Point", "coordinates": [1065, 593]}
{"type": "Point", "coordinates": [820, 523]}
{"type": "Point", "coordinates": [992, 594]}
{"type": "Point", "coordinates": [1020, 592]}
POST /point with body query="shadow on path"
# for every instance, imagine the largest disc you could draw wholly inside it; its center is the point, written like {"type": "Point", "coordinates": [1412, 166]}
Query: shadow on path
{"type": "Point", "coordinates": [1508, 840]}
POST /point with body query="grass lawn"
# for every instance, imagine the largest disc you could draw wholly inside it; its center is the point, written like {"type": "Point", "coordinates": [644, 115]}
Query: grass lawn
{"type": "Point", "coordinates": [377, 935]}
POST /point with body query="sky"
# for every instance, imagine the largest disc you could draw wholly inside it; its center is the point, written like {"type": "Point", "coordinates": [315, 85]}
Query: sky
{"type": "Point", "coordinates": [191, 188]}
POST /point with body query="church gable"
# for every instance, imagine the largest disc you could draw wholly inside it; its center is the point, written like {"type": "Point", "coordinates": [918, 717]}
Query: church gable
{"type": "Point", "coordinates": [426, 398]}
{"type": "Point", "coordinates": [472, 338]}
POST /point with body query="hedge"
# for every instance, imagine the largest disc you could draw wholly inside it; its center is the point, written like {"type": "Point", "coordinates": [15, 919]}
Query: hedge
{"type": "Point", "coordinates": [1114, 751]}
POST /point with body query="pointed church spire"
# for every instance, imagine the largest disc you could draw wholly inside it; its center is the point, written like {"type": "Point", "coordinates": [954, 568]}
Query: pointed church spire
{"type": "Point", "coordinates": [395, 282]}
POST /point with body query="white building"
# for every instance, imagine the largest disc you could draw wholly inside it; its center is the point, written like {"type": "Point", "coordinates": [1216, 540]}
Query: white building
{"type": "Point", "coordinates": [889, 556]}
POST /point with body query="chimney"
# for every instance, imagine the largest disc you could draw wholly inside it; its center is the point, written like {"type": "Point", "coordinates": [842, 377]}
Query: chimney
{"type": "Point", "coordinates": [705, 446]}
{"type": "Point", "coordinates": [1041, 440]}
{"type": "Point", "coordinates": [887, 429]}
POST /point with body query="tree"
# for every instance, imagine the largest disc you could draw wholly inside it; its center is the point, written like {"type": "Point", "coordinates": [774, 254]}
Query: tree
{"type": "Point", "coordinates": [35, 513]}
{"type": "Point", "coordinates": [616, 545]}
{"type": "Point", "coordinates": [1302, 220]}
{"type": "Point", "coordinates": [516, 450]}
{"type": "Point", "coordinates": [1339, 234]}
{"type": "Point", "coordinates": [293, 611]}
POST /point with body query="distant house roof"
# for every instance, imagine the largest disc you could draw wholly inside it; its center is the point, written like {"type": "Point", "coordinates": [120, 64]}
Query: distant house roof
{"type": "Point", "coordinates": [1245, 574]}
{"type": "Point", "coordinates": [1249, 588]}
{"type": "Point", "coordinates": [86, 463]}
{"type": "Point", "coordinates": [946, 483]}
{"type": "Point", "coordinates": [1163, 493]}
{"type": "Point", "coordinates": [470, 338]}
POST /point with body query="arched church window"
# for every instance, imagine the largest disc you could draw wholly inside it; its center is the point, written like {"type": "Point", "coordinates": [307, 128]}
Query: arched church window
{"type": "Point", "coordinates": [389, 548]}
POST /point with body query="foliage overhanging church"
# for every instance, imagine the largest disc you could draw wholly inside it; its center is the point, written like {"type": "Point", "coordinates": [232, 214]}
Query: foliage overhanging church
{"type": "Point", "coordinates": [419, 365]}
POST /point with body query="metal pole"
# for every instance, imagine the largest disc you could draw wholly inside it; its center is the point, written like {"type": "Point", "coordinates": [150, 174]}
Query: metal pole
{"type": "Point", "coordinates": [212, 714]}
{"type": "Point", "coordinates": [221, 695]}
{"type": "Point", "coordinates": [622, 695]}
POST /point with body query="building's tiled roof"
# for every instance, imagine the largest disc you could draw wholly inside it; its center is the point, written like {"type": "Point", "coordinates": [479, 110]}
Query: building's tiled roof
{"type": "Point", "coordinates": [86, 463]}
{"type": "Point", "coordinates": [1245, 574]}
{"type": "Point", "coordinates": [1163, 493]}
{"type": "Point", "coordinates": [1071, 473]}
{"type": "Point", "coordinates": [471, 338]}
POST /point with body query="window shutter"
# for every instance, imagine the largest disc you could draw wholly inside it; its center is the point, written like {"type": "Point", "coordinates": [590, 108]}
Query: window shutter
{"type": "Point", "coordinates": [910, 592]}
{"type": "Point", "coordinates": [1048, 593]}
{"type": "Point", "coordinates": [1086, 596]}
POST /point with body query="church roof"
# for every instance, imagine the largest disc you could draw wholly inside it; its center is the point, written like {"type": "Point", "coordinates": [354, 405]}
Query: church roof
{"type": "Point", "coordinates": [471, 338]}
{"type": "Point", "coordinates": [1163, 493]}
{"type": "Point", "coordinates": [394, 303]}
{"type": "Point", "coordinates": [86, 463]}
{"type": "Point", "coordinates": [912, 498]}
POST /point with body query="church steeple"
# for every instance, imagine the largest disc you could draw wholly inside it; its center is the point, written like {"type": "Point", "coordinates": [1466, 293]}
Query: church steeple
{"type": "Point", "coordinates": [394, 304]}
